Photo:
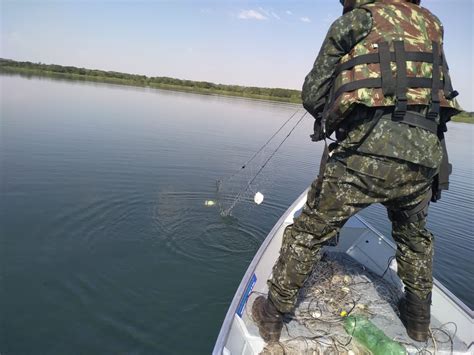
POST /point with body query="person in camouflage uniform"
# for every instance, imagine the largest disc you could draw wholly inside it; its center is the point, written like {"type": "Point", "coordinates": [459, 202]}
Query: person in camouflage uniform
{"type": "Point", "coordinates": [389, 149]}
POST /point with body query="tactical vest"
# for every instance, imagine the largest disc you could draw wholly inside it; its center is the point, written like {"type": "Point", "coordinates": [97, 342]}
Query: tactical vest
{"type": "Point", "coordinates": [399, 63]}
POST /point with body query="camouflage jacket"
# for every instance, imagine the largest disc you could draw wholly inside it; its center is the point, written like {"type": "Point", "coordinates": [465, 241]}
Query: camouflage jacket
{"type": "Point", "coordinates": [387, 138]}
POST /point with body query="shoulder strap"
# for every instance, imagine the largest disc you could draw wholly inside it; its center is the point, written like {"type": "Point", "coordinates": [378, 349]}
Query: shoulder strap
{"type": "Point", "coordinates": [435, 87]}
{"type": "Point", "coordinates": [388, 84]}
{"type": "Point", "coordinates": [402, 79]}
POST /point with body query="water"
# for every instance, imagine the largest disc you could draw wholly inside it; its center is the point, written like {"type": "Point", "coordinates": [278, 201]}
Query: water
{"type": "Point", "coordinates": [106, 245]}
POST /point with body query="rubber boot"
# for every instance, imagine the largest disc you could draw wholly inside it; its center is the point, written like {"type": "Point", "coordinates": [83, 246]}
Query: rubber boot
{"type": "Point", "coordinates": [415, 315]}
{"type": "Point", "coordinates": [268, 319]}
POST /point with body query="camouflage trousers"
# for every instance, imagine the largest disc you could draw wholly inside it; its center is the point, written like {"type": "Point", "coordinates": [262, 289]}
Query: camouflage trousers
{"type": "Point", "coordinates": [348, 183]}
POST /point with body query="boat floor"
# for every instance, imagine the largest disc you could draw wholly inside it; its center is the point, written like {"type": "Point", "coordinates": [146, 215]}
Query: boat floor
{"type": "Point", "coordinates": [340, 284]}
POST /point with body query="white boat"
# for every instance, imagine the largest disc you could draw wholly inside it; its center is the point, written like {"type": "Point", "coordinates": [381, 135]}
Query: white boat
{"type": "Point", "coordinates": [452, 321]}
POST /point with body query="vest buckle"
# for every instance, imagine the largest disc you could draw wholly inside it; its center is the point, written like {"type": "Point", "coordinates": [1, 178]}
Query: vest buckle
{"type": "Point", "coordinates": [400, 109]}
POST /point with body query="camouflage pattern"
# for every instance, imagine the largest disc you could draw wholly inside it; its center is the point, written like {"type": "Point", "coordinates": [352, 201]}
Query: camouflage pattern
{"type": "Point", "coordinates": [374, 161]}
{"type": "Point", "coordinates": [343, 34]}
{"type": "Point", "coordinates": [387, 138]}
{"type": "Point", "coordinates": [349, 183]}
{"type": "Point", "coordinates": [392, 20]}
{"type": "Point", "coordinates": [391, 139]}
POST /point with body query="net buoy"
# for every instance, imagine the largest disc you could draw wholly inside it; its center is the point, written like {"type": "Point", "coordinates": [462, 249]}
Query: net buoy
{"type": "Point", "coordinates": [258, 198]}
{"type": "Point", "coordinates": [209, 203]}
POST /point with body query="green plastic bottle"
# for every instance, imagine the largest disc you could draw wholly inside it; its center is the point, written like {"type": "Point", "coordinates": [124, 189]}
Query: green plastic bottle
{"type": "Point", "coordinates": [371, 337]}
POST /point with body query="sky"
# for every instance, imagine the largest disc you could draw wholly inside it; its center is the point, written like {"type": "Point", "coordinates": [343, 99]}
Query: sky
{"type": "Point", "coordinates": [253, 43]}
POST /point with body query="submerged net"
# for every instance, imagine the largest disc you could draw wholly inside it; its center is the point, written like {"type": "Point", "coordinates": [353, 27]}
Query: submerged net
{"type": "Point", "coordinates": [338, 286]}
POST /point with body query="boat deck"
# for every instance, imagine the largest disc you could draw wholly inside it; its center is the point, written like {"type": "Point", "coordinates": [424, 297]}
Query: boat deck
{"type": "Point", "coordinates": [340, 284]}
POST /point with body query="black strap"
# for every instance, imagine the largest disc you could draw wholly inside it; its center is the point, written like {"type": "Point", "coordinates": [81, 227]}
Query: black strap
{"type": "Point", "coordinates": [388, 84]}
{"type": "Point", "coordinates": [374, 58]}
{"type": "Point", "coordinates": [402, 79]}
{"type": "Point", "coordinates": [435, 87]}
{"type": "Point", "coordinates": [416, 119]}
{"type": "Point", "coordinates": [415, 214]}
{"type": "Point", "coordinates": [376, 83]}
{"type": "Point", "coordinates": [382, 57]}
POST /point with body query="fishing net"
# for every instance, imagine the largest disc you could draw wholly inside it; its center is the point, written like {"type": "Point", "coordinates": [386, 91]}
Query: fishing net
{"type": "Point", "coordinates": [243, 184]}
{"type": "Point", "coordinates": [232, 192]}
{"type": "Point", "coordinates": [341, 286]}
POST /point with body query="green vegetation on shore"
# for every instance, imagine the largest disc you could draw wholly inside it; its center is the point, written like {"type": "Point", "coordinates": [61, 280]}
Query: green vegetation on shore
{"type": "Point", "coordinates": [466, 117]}
{"type": "Point", "coordinates": [204, 87]}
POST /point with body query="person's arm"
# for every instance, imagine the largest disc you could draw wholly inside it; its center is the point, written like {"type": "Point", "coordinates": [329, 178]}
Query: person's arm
{"type": "Point", "coordinates": [342, 36]}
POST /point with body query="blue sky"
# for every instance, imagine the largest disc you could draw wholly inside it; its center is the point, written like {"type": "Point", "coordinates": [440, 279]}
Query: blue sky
{"type": "Point", "coordinates": [261, 43]}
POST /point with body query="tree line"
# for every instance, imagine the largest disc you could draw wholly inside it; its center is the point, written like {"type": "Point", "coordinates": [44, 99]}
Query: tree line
{"type": "Point", "coordinates": [279, 94]}
{"type": "Point", "coordinates": [54, 70]}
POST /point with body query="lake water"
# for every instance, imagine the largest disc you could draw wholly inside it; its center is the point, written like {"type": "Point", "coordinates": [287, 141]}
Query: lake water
{"type": "Point", "coordinates": [106, 246]}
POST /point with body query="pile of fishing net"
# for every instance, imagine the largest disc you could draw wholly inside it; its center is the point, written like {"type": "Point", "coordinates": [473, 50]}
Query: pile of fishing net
{"type": "Point", "coordinates": [338, 288]}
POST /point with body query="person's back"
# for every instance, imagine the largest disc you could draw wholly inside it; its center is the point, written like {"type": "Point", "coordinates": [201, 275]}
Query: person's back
{"type": "Point", "coordinates": [369, 75]}
{"type": "Point", "coordinates": [381, 83]}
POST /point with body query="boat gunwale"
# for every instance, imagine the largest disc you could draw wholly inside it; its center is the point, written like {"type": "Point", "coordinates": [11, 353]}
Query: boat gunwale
{"type": "Point", "coordinates": [224, 332]}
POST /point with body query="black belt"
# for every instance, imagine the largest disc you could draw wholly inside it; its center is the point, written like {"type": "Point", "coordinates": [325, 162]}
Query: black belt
{"type": "Point", "coordinates": [412, 118]}
{"type": "Point", "coordinates": [417, 120]}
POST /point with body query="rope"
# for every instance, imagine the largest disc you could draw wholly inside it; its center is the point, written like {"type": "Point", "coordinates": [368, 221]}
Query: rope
{"type": "Point", "coordinates": [219, 181]}
{"type": "Point", "coordinates": [227, 211]}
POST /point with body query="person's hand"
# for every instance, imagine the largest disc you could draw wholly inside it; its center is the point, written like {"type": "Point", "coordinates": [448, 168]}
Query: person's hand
{"type": "Point", "coordinates": [436, 191]}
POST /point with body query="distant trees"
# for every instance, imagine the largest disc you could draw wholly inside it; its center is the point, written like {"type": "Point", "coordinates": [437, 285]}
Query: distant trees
{"type": "Point", "coordinates": [142, 80]}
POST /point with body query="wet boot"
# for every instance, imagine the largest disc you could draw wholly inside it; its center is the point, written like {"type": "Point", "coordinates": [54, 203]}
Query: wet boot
{"type": "Point", "coordinates": [268, 319]}
{"type": "Point", "coordinates": [415, 315]}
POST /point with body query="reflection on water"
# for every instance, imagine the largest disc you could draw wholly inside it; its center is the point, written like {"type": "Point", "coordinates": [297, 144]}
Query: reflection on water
{"type": "Point", "coordinates": [106, 245]}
